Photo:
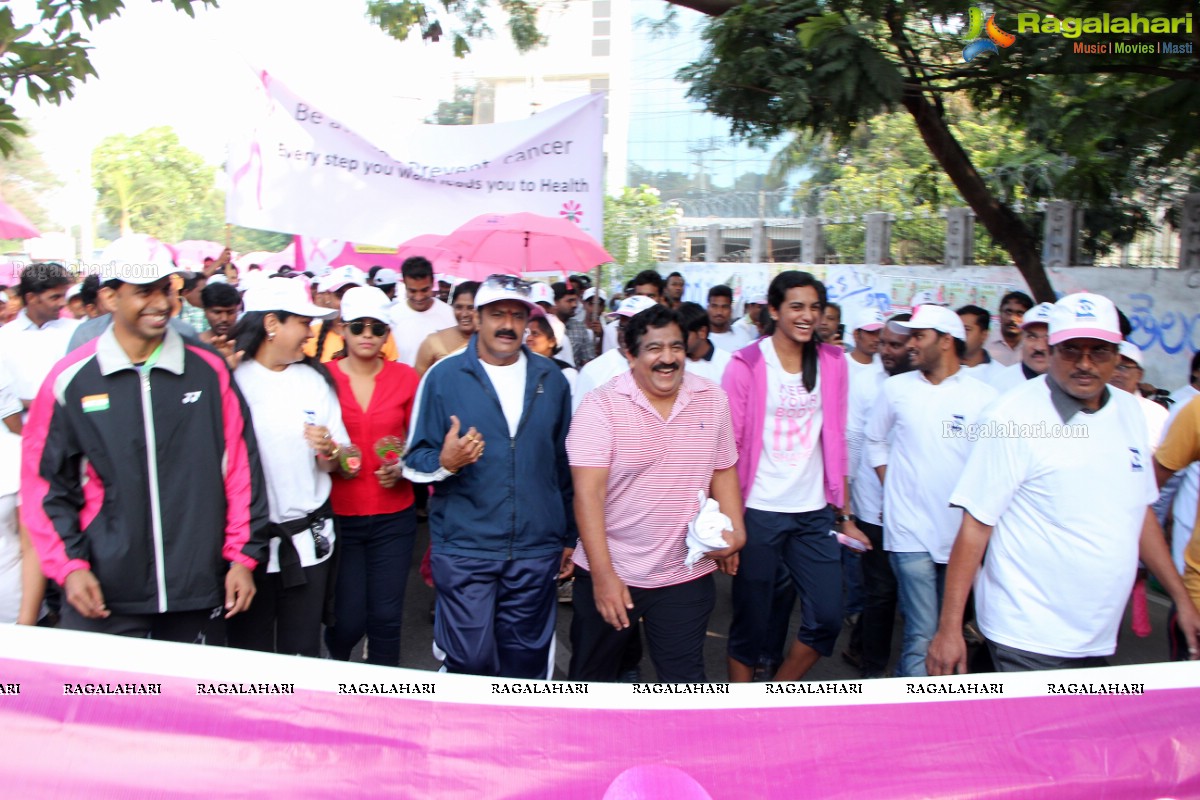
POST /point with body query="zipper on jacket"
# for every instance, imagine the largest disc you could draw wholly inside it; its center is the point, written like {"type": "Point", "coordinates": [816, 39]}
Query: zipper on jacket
{"type": "Point", "coordinates": [155, 503]}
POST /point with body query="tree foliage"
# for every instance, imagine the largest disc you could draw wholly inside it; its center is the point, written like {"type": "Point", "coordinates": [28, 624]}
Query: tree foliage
{"type": "Point", "coordinates": [882, 167]}
{"type": "Point", "coordinates": [458, 111]}
{"type": "Point", "coordinates": [627, 219]}
{"type": "Point", "coordinates": [47, 57]}
{"type": "Point", "coordinates": [1116, 121]}
{"type": "Point", "coordinates": [465, 19]}
{"type": "Point", "coordinates": [150, 183]}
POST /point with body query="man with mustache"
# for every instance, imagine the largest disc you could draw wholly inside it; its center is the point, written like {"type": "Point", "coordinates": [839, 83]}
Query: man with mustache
{"type": "Point", "coordinates": [221, 305]}
{"type": "Point", "coordinates": [1004, 346]}
{"type": "Point", "coordinates": [641, 447]}
{"type": "Point", "coordinates": [501, 520]}
{"type": "Point", "coordinates": [1057, 491]}
{"type": "Point", "coordinates": [1035, 351]}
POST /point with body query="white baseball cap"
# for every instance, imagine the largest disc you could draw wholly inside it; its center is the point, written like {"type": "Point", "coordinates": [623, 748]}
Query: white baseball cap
{"type": "Point", "coordinates": [1132, 352]}
{"type": "Point", "coordinates": [541, 293]}
{"type": "Point", "coordinates": [867, 319]}
{"type": "Point", "coordinates": [137, 259]}
{"type": "Point", "coordinates": [340, 277]}
{"type": "Point", "coordinates": [1084, 315]}
{"type": "Point", "coordinates": [495, 288]}
{"type": "Point", "coordinates": [1038, 315]}
{"type": "Point", "coordinates": [74, 290]}
{"type": "Point", "coordinates": [633, 305]}
{"type": "Point", "coordinates": [591, 292]}
{"type": "Point", "coordinates": [283, 294]}
{"type": "Point", "coordinates": [365, 302]}
{"type": "Point", "coordinates": [926, 297]}
{"type": "Point", "coordinates": [758, 299]}
{"type": "Point", "coordinates": [385, 277]}
{"type": "Point", "coordinates": [939, 318]}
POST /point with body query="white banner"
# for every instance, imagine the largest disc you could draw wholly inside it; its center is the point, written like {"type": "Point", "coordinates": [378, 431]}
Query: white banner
{"type": "Point", "coordinates": [300, 171]}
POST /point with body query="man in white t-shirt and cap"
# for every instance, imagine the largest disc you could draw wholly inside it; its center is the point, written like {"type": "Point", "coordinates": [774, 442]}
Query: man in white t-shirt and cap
{"type": "Point", "coordinates": [612, 363]}
{"type": "Point", "coordinates": [1127, 375]}
{"type": "Point", "coordinates": [863, 360]}
{"type": "Point", "coordinates": [502, 525]}
{"type": "Point", "coordinates": [1060, 501]}
{"type": "Point", "coordinates": [1034, 351]}
{"type": "Point", "coordinates": [918, 439]}
{"type": "Point", "coordinates": [419, 313]}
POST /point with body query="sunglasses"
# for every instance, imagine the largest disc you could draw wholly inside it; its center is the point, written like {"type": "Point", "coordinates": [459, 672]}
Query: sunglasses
{"type": "Point", "coordinates": [509, 283]}
{"type": "Point", "coordinates": [378, 329]}
{"type": "Point", "coordinates": [1100, 354]}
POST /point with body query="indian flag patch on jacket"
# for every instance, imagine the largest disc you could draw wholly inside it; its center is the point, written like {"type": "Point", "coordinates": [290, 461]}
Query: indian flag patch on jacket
{"type": "Point", "coordinates": [95, 402]}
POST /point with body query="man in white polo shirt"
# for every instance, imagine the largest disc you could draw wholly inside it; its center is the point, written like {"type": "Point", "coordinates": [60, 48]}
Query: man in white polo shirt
{"type": "Point", "coordinates": [863, 360]}
{"type": "Point", "coordinates": [918, 439]}
{"type": "Point", "coordinates": [1060, 503]}
{"type": "Point", "coordinates": [1034, 350]}
{"type": "Point", "coordinates": [641, 447]}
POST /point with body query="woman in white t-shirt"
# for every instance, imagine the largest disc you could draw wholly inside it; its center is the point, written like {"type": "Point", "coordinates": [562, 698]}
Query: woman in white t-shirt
{"type": "Point", "coordinates": [298, 425]}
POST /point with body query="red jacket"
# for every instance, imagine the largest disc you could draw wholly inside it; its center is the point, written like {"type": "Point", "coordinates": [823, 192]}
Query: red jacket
{"type": "Point", "coordinates": [387, 414]}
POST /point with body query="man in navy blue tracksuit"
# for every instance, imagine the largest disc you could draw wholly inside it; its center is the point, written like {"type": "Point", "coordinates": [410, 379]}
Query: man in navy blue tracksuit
{"type": "Point", "coordinates": [490, 430]}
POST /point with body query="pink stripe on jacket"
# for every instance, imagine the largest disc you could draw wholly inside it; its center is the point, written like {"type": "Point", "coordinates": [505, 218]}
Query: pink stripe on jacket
{"type": "Point", "coordinates": [745, 381]}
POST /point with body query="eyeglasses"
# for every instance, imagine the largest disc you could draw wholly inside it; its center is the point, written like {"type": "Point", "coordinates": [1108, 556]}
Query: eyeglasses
{"type": "Point", "coordinates": [1123, 367]}
{"type": "Point", "coordinates": [1100, 354]}
{"type": "Point", "coordinates": [378, 329]}
{"type": "Point", "coordinates": [509, 283]}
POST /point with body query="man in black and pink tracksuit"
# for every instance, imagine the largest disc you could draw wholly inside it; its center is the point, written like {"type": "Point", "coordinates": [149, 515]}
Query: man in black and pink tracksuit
{"type": "Point", "coordinates": [140, 483]}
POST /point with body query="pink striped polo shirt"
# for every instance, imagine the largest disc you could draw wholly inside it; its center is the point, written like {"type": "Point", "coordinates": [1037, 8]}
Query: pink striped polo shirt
{"type": "Point", "coordinates": [655, 467]}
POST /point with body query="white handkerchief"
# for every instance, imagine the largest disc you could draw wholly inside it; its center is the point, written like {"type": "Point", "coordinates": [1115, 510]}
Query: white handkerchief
{"type": "Point", "coordinates": [704, 531]}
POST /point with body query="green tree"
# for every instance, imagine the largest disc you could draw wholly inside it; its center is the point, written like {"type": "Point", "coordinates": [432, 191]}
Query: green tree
{"type": "Point", "coordinates": [47, 56]}
{"type": "Point", "coordinates": [882, 167]}
{"type": "Point", "coordinates": [1125, 123]}
{"type": "Point", "coordinates": [1117, 121]}
{"type": "Point", "coordinates": [459, 111]}
{"type": "Point", "coordinates": [150, 183]}
{"type": "Point", "coordinates": [629, 221]}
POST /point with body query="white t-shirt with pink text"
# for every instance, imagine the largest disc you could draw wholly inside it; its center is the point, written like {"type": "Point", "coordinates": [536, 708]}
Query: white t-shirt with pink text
{"type": "Point", "coordinates": [791, 471]}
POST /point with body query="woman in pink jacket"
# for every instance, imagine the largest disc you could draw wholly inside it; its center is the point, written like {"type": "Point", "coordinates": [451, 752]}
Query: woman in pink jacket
{"type": "Point", "coordinates": [788, 396]}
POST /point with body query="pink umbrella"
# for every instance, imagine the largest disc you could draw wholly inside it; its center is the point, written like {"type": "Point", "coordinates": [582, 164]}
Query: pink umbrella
{"type": "Point", "coordinates": [527, 242]}
{"type": "Point", "coordinates": [14, 225]}
{"type": "Point", "coordinates": [449, 265]}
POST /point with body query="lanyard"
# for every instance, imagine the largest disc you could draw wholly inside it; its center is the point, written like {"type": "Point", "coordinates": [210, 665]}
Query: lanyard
{"type": "Point", "coordinates": [152, 360]}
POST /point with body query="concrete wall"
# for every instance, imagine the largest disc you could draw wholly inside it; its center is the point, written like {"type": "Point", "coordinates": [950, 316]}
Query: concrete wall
{"type": "Point", "coordinates": [1163, 305]}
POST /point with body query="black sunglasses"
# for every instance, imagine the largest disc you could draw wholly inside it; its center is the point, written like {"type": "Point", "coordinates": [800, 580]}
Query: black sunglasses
{"type": "Point", "coordinates": [378, 329]}
{"type": "Point", "coordinates": [321, 543]}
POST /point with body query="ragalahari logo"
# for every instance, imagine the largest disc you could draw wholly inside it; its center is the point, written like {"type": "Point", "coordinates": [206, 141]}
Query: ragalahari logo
{"type": "Point", "coordinates": [984, 38]}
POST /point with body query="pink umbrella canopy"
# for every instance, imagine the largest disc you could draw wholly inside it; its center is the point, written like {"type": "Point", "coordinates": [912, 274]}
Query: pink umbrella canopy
{"type": "Point", "coordinates": [14, 224]}
{"type": "Point", "coordinates": [449, 265]}
{"type": "Point", "coordinates": [527, 243]}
